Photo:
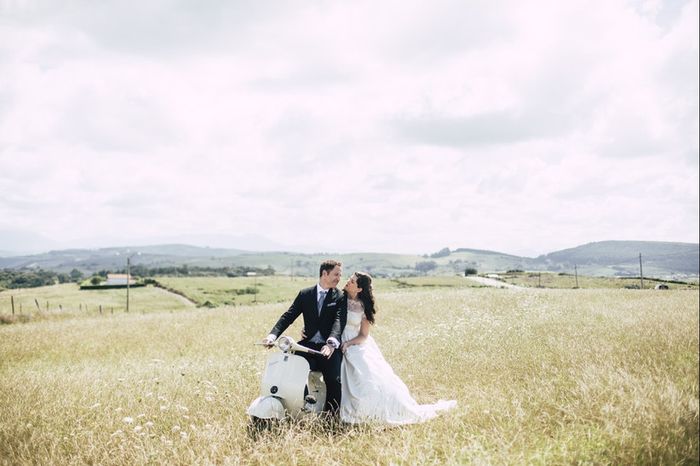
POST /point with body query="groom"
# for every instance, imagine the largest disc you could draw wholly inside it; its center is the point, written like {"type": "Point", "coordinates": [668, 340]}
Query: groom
{"type": "Point", "coordinates": [325, 313]}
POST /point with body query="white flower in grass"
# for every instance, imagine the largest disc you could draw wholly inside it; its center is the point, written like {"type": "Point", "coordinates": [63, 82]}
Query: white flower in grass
{"type": "Point", "coordinates": [163, 407]}
{"type": "Point", "coordinates": [128, 420]}
{"type": "Point", "coordinates": [176, 428]}
{"type": "Point", "coordinates": [149, 424]}
{"type": "Point", "coordinates": [138, 429]}
{"type": "Point", "coordinates": [140, 416]}
{"type": "Point", "coordinates": [184, 435]}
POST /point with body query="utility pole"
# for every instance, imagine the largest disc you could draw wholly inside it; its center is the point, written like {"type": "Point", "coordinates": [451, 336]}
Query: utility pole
{"type": "Point", "coordinates": [641, 275]}
{"type": "Point", "coordinates": [128, 276]}
{"type": "Point", "coordinates": [128, 269]}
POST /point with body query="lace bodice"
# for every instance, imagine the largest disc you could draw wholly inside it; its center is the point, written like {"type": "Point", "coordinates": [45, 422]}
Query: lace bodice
{"type": "Point", "coordinates": [355, 313]}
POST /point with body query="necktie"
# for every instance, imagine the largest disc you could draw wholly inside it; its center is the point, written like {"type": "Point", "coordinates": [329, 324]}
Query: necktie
{"type": "Point", "coordinates": [321, 298]}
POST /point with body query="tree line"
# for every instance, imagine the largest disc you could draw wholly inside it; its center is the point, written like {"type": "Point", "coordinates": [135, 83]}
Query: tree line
{"type": "Point", "coordinates": [32, 278]}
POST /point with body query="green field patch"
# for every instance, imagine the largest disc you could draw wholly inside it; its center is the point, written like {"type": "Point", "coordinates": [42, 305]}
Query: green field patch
{"type": "Point", "coordinates": [567, 280]}
{"type": "Point", "coordinates": [69, 301]}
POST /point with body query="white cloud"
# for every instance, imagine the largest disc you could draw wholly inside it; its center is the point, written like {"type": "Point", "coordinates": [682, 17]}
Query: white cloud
{"type": "Point", "coordinates": [400, 126]}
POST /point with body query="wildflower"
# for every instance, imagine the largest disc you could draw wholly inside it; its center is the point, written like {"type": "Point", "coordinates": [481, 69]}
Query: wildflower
{"type": "Point", "coordinates": [138, 429]}
{"type": "Point", "coordinates": [176, 428]}
{"type": "Point", "coordinates": [128, 420]}
{"type": "Point", "coordinates": [149, 424]}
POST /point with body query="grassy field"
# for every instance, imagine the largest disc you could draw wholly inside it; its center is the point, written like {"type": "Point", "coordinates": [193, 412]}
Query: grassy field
{"type": "Point", "coordinates": [540, 376]}
{"type": "Point", "coordinates": [68, 301]}
{"type": "Point", "coordinates": [561, 280]}
{"type": "Point", "coordinates": [223, 291]}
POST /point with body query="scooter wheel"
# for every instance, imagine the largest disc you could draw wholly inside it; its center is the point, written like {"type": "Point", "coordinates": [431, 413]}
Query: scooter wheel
{"type": "Point", "coordinates": [258, 426]}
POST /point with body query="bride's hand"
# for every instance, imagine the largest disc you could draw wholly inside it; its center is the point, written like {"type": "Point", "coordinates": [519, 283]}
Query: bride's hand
{"type": "Point", "coordinates": [344, 347]}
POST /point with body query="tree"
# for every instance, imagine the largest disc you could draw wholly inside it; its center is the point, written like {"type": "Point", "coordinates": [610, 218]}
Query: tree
{"type": "Point", "coordinates": [470, 271]}
{"type": "Point", "coordinates": [426, 266]}
{"type": "Point", "coordinates": [444, 252]}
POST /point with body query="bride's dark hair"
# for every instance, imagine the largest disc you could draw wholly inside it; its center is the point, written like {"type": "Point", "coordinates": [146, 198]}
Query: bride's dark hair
{"type": "Point", "coordinates": [364, 281]}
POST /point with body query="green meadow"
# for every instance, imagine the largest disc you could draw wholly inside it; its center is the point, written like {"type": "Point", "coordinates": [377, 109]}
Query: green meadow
{"type": "Point", "coordinates": [541, 376]}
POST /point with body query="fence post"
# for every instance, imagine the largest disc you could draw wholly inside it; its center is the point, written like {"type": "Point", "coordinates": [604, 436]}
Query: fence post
{"type": "Point", "coordinates": [100, 309]}
{"type": "Point", "coordinates": [12, 299]}
{"type": "Point", "coordinates": [36, 301]}
{"type": "Point", "coordinates": [47, 306]}
{"type": "Point", "coordinates": [641, 275]}
{"type": "Point", "coordinates": [576, 274]}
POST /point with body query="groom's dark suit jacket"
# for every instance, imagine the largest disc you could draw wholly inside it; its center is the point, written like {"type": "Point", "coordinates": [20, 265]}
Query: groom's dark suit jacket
{"type": "Point", "coordinates": [330, 322]}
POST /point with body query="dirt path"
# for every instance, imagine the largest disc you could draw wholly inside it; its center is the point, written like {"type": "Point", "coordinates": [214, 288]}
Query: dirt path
{"type": "Point", "coordinates": [181, 298]}
{"type": "Point", "coordinates": [493, 282]}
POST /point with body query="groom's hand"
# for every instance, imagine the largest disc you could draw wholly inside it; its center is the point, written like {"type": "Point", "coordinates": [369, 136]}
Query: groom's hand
{"type": "Point", "coordinates": [327, 351]}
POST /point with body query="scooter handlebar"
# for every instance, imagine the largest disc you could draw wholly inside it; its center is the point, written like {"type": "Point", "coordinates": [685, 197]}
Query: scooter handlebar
{"type": "Point", "coordinates": [287, 344]}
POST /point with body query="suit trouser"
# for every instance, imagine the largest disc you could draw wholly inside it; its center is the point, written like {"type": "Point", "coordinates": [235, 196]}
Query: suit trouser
{"type": "Point", "coordinates": [330, 368]}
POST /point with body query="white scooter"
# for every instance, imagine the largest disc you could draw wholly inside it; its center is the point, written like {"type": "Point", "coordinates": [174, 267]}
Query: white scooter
{"type": "Point", "coordinates": [284, 381]}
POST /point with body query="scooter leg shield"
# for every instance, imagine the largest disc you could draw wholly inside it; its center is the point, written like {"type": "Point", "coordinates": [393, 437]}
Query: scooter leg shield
{"type": "Point", "coordinates": [266, 407]}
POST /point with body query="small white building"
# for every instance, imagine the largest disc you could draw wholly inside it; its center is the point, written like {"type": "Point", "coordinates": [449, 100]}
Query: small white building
{"type": "Point", "coordinates": [119, 279]}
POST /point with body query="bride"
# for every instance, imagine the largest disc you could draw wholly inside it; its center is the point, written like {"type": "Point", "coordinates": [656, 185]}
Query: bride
{"type": "Point", "coordinates": [371, 392]}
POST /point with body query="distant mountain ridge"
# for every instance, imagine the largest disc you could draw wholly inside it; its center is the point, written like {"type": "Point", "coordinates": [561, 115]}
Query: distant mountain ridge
{"type": "Point", "coordinates": [605, 258]}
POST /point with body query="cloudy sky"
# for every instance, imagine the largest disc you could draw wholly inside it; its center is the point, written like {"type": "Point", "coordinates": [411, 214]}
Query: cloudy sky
{"type": "Point", "coordinates": [397, 126]}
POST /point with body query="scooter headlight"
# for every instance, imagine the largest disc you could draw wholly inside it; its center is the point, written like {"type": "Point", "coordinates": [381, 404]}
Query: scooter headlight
{"type": "Point", "coordinates": [285, 344]}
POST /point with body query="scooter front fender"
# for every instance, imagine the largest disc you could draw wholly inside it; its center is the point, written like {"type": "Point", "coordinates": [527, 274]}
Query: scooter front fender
{"type": "Point", "coordinates": [266, 407]}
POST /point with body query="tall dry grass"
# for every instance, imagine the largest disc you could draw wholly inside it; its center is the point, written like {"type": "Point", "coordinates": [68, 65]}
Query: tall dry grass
{"type": "Point", "coordinates": [541, 377]}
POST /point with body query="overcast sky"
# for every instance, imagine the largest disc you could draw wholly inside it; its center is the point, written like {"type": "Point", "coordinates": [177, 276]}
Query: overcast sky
{"type": "Point", "coordinates": [397, 126]}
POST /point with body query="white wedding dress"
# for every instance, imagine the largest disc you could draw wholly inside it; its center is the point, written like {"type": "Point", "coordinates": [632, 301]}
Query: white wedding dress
{"type": "Point", "coordinates": [371, 392]}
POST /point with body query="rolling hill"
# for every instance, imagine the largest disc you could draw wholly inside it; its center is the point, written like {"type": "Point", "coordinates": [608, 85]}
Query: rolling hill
{"type": "Point", "coordinates": [606, 258]}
